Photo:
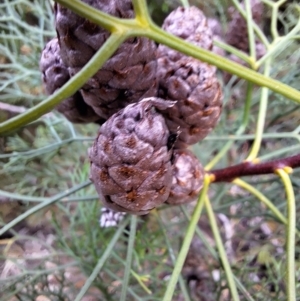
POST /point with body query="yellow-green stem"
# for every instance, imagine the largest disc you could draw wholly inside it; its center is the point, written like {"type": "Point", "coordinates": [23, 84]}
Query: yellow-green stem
{"type": "Point", "coordinates": [279, 43]}
{"type": "Point", "coordinates": [262, 198]}
{"type": "Point", "coordinates": [101, 261]}
{"type": "Point", "coordinates": [75, 83]}
{"type": "Point", "coordinates": [290, 235]}
{"type": "Point", "coordinates": [141, 11]}
{"type": "Point", "coordinates": [256, 28]}
{"type": "Point", "coordinates": [141, 26]}
{"type": "Point", "coordinates": [186, 242]}
{"type": "Point", "coordinates": [240, 130]}
{"type": "Point", "coordinates": [221, 249]}
{"type": "Point", "coordinates": [130, 249]}
{"type": "Point", "coordinates": [251, 36]}
{"type": "Point", "coordinates": [261, 117]}
{"type": "Point", "coordinates": [240, 54]}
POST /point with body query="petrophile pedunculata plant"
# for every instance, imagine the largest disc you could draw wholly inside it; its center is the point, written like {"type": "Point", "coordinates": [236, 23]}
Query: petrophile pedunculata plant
{"type": "Point", "coordinates": [190, 67]}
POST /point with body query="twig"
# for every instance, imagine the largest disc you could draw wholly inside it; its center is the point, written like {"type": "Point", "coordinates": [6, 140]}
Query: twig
{"type": "Point", "coordinates": [228, 174]}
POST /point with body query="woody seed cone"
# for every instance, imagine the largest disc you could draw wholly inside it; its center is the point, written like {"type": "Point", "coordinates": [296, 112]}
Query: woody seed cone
{"type": "Point", "coordinates": [55, 74]}
{"type": "Point", "coordinates": [127, 77]}
{"type": "Point", "coordinates": [192, 83]}
{"type": "Point", "coordinates": [130, 159]}
{"type": "Point", "coordinates": [187, 177]}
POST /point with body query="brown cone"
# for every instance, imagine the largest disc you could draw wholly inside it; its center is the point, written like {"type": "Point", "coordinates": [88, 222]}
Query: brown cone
{"type": "Point", "coordinates": [130, 159]}
{"type": "Point", "coordinates": [55, 74]}
{"type": "Point", "coordinates": [127, 77]}
{"type": "Point", "coordinates": [237, 33]}
{"type": "Point", "coordinates": [192, 83]}
{"type": "Point", "coordinates": [187, 177]}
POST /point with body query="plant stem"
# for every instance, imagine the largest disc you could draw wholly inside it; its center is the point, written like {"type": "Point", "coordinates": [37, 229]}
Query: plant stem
{"type": "Point", "coordinates": [212, 251]}
{"type": "Point", "coordinates": [278, 43]}
{"type": "Point", "coordinates": [141, 11]}
{"type": "Point", "coordinates": [185, 3]}
{"type": "Point", "coordinates": [101, 261]}
{"type": "Point", "coordinates": [130, 248]}
{"type": "Point", "coordinates": [75, 83]}
{"type": "Point", "coordinates": [186, 242]}
{"type": "Point", "coordinates": [165, 38]}
{"type": "Point", "coordinates": [113, 24]}
{"type": "Point", "coordinates": [240, 54]}
{"type": "Point", "coordinates": [42, 206]}
{"type": "Point", "coordinates": [274, 21]}
{"type": "Point", "coordinates": [131, 291]}
{"type": "Point", "coordinates": [280, 135]}
{"type": "Point", "coordinates": [45, 149]}
{"type": "Point", "coordinates": [290, 234]}
{"type": "Point", "coordinates": [14, 197]}
{"type": "Point", "coordinates": [173, 258]}
{"type": "Point", "coordinates": [135, 28]}
{"type": "Point", "coordinates": [221, 249]}
{"type": "Point", "coordinates": [262, 198]}
{"type": "Point", "coordinates": [108, 21]}
{"type": "Point", "coordinates": [251, 36]}
{"type": "Point", "coordinates": [256, 28]}
{"type": "Point", "coordinates": [280, 152]}
{"type": "Point", "coordinates": [240, 130]}
{"type": "Point", "coordinates": [247, 168]}
{"type": "Point", "coordinates": [263, 105]}
{"type": "Point", "coordinates": [122, 29]}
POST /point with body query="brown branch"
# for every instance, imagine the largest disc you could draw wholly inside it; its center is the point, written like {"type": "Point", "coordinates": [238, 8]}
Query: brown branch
{"type": "Point", "coordinates": [228, 174]}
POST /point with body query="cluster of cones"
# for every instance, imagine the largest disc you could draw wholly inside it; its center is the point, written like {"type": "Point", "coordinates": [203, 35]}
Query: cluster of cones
{"type": "Point", "coordinates": [151, 101]}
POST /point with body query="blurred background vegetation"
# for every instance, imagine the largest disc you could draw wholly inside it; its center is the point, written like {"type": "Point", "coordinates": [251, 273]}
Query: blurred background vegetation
{"type": "Point", "coordinates": [51, 254]}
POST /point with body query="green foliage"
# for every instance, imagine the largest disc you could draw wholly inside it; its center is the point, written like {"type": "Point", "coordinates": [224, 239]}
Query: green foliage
{"type": "Point", "coordinates": [25, 26]}
{"type": "Point", "coordinates": [43, 162]}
